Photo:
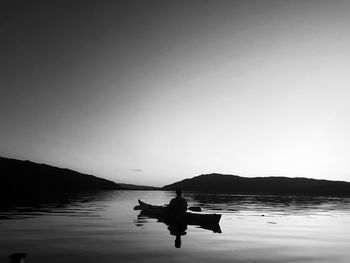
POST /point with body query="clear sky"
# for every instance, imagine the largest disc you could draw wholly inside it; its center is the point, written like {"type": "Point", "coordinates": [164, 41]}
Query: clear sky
{"type": "Point", "coordinates": [152, 92]}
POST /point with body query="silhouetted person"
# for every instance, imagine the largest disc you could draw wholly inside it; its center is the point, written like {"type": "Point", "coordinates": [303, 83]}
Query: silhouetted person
{"type": "Point", "coordinates": [17, 257]}
{"type": "Point", "coordinates": [178, 205]}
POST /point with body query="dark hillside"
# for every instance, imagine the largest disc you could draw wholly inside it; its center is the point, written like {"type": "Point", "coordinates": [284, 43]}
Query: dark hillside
{"type": "Point", "coordinates": [262, 185]}
{"type": "Point", "coordinates": [25, 180]}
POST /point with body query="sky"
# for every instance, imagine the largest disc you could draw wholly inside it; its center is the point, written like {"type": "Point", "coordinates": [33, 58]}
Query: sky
{"type": "Point", "coordinates": [153, 92]}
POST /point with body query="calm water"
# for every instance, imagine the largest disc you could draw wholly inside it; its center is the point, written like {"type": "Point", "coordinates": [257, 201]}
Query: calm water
{"type": "Point", "coordinates": [103, 227]}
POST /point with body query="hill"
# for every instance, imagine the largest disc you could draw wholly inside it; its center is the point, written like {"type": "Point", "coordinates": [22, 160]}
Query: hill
{"type": "Point", "coordinates": [220, 183]}
{"type": "Point", "coordinates": [138, 187]}
{"type": "Point", "coordinates": [25, 180]}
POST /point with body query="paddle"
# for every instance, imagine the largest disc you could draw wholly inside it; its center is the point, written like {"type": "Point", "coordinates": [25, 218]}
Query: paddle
{"type": "Point", "coordinates": [191, 208]}
{"type": "Point", "coordinates": [195, 209]}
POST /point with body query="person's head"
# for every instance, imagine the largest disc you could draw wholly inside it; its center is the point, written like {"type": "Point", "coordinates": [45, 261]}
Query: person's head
{"type": "Point", "coordinates": [17, 257]}
{"type": "Point", "coordinates": [178, 191]}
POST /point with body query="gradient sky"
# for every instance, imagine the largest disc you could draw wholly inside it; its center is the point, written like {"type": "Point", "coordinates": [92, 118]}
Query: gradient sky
{"type": "Point", "coordinates": [152, 92]}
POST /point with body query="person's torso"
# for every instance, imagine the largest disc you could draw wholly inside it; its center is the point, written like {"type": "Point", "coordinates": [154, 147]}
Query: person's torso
{"type": "Point", "coordinates": [179, 203]}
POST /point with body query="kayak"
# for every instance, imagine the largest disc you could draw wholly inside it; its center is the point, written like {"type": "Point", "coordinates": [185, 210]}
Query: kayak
{"type": "Point", "coordinates": [208, 221]}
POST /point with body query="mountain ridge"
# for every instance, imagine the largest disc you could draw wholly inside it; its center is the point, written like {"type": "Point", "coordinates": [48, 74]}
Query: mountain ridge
{"type": "Point", "coordinates": [225, 183]}
{"type": "Point", "coordinates": [138, 187]}
{"type": "Point", "coordinates": [27, 180]}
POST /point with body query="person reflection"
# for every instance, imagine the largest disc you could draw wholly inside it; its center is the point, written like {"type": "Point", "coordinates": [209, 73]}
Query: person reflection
{"type": "Point", "coordinates": [177, 229]}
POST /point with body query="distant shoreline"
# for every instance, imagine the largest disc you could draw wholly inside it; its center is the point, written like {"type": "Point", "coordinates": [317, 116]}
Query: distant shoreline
{"type": "Point", "coordinates": [28, 182]}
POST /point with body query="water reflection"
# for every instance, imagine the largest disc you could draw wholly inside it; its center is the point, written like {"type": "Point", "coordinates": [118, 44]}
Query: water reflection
{"type": "Point", "coordinates": [79, 204]}
{"type": "Point", "coordinates": [176, 226]}
{"type": "Point", "coordinates": [286, 205]}
{"type": "Point", "coordinates": [178, 229]}
{"type": "Point", "coordinates": [103, 227]}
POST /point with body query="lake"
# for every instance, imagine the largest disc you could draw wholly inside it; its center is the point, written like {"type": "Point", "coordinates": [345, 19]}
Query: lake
{"type": "Point", "coordinates": [103, 227]}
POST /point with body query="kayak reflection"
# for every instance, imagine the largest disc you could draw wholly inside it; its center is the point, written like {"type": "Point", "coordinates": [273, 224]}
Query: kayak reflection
{"type": "Point", "coordinates": [177, 223]}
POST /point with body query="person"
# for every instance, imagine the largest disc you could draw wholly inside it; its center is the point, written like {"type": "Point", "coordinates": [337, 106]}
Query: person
{"type": "Point", "coordinates": [178, 205]}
